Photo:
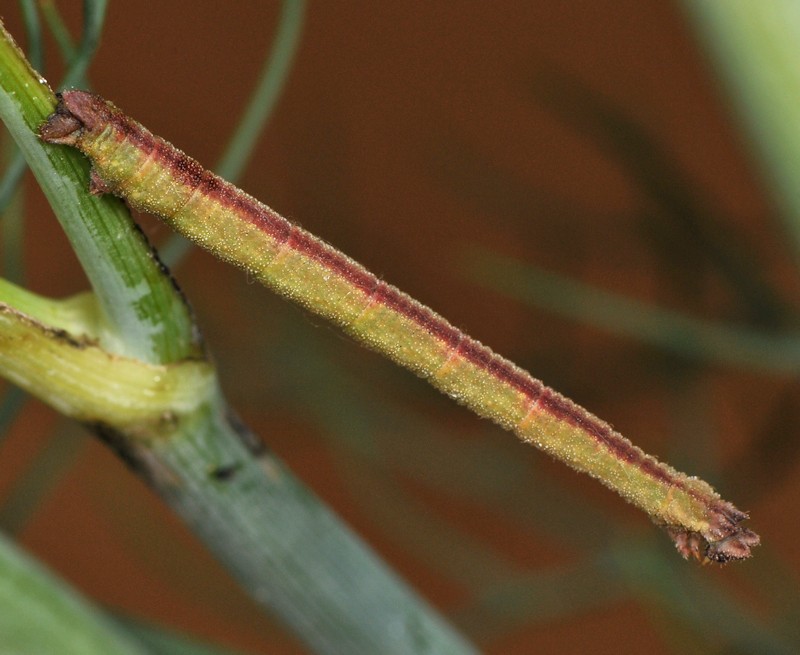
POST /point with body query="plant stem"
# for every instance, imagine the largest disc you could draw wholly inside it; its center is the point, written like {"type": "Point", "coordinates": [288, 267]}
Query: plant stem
{"type": "Point", "coordinates": [170, 423]}
{"type": "Point", "coordinates": [142, 314]}
{"type": "Point", "coordinates": [754, 46]}
{"type": "Point", "coordinates": [40, 615]}
{"type": "Point", "coordinates": [312, 570]}
{"type": "Point", "coordinates": [691, 337]}
{"type": "Point", "coordinates": [272, 79]}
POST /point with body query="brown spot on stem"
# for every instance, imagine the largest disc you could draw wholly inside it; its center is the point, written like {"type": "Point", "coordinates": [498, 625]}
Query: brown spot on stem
{"type": "Point", "coordinates": [226, 472]}
{"type": "Point", "coordinates": [251, 441]}
{"type": "Point", "coordinates": [59, 335]}
{"type": "Point", "coordinates": [135, 454]}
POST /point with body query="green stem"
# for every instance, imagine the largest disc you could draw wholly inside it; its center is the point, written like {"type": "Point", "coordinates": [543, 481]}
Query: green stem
{"type": "Point", "coordinates": [171, 424]}
{"type": "Point", "coordinates": [94, 12]}
{"type": "Point", "coordinates": [692, 337]}
{"type": "Point", "coordinates": [58, 29]}
{"type": "Point", "coordinates": [41, 615]}
{"type": "Point", "coordinates": [16, 166]}
{"type": "Point", "coordinates": [33, 28]}
{"type": "Point", "coordinates": [312, 570]}
{"type": "Point", "coordinates": [272, 79]}
{"type": "Point", "coordinates": [12, 223]}
{"type": "Point", "coordinates": [263, 100]}
{"type": "Point", "coordinates": [143, 315]}
{"type": "Point", "coordinates": [754, 46]}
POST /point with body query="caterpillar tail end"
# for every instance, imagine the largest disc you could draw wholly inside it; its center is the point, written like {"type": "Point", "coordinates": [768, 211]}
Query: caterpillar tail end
{"type": "Point", "coordinates": [724, 540]}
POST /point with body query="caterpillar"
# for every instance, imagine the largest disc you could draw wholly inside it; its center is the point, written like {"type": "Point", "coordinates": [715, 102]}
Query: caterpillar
{"type": "Point", "coordinates": [153, 176]}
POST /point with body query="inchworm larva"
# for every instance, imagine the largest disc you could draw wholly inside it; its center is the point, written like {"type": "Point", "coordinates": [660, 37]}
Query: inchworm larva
{"type": "Point", "coordinates": [155, 177]}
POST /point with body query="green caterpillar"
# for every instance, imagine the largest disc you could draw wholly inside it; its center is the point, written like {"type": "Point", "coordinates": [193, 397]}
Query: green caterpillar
{"type": "Point", "coordinates": [155, 177]}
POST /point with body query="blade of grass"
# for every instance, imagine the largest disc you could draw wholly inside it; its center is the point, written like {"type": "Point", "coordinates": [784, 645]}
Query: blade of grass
{"type": "Point", "coordinates": [12, 232]}
{"type": "Point", "coordinates": [58, 29]}
{"type": "Point", "coordinates": [12, 177]}
{"type": "Point", "coordinates": [94, 12]}
{"type": "Point", "coordinates": [265, 96]}
{"type": "Point", "coordinates": [699, 339]}
{"type": "Point", "coordinates": [695, 599]}
{"type": "Point", "coordinates": [160, 641]}
{"type": "Point", "coordinates": [41, 615]}
{"type": "Point", "coordinates": [33, 29]}
{"type": "Point", "coordinates": [754, 47]}
{"type": "Point", "coordinates": [10, 406]}
{"type": "Point", "coordinates": [45, 472]}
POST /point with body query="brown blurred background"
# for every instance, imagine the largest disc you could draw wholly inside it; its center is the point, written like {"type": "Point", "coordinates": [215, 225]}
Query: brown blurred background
{"type": "Point", "coordinates": [585, 138]}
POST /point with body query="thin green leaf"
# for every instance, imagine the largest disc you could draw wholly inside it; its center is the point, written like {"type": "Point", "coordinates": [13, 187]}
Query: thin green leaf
{"type": "Point", "coordinates": [754, 47]}
{"type": "Point", "coordinates": [11, 181]}
{"type": "Point", "coordinates": [94, 12]}
{"type": "Point", "coordinates": [12, 223]}
{"type": "Point", "coordinates": [43, 475]}
{"type": "Point", "coordinates": [42, 616]}
{"type": "Point", "coordinates": [160, 641]}
{"type": "Point", "coordinates": [694, 598]}
{"type": "Point", "coordinates": [695, 338]}
{"type": "Point", "coordinates": [10, 406]}
{"type": "Point", "coordinates": [17, 166]}
{"type": "Point", "coordinates": [58, 29]}
{"type": "Point", "coordinates": [33, 29]}
{"type": "Point", "coordinates": [265, 96]}
{"type": "Point", "coordinates": [259, 109]}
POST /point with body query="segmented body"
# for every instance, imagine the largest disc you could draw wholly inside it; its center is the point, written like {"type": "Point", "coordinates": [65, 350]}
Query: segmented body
{"type": "Point", "coordinates": [155, 177]}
